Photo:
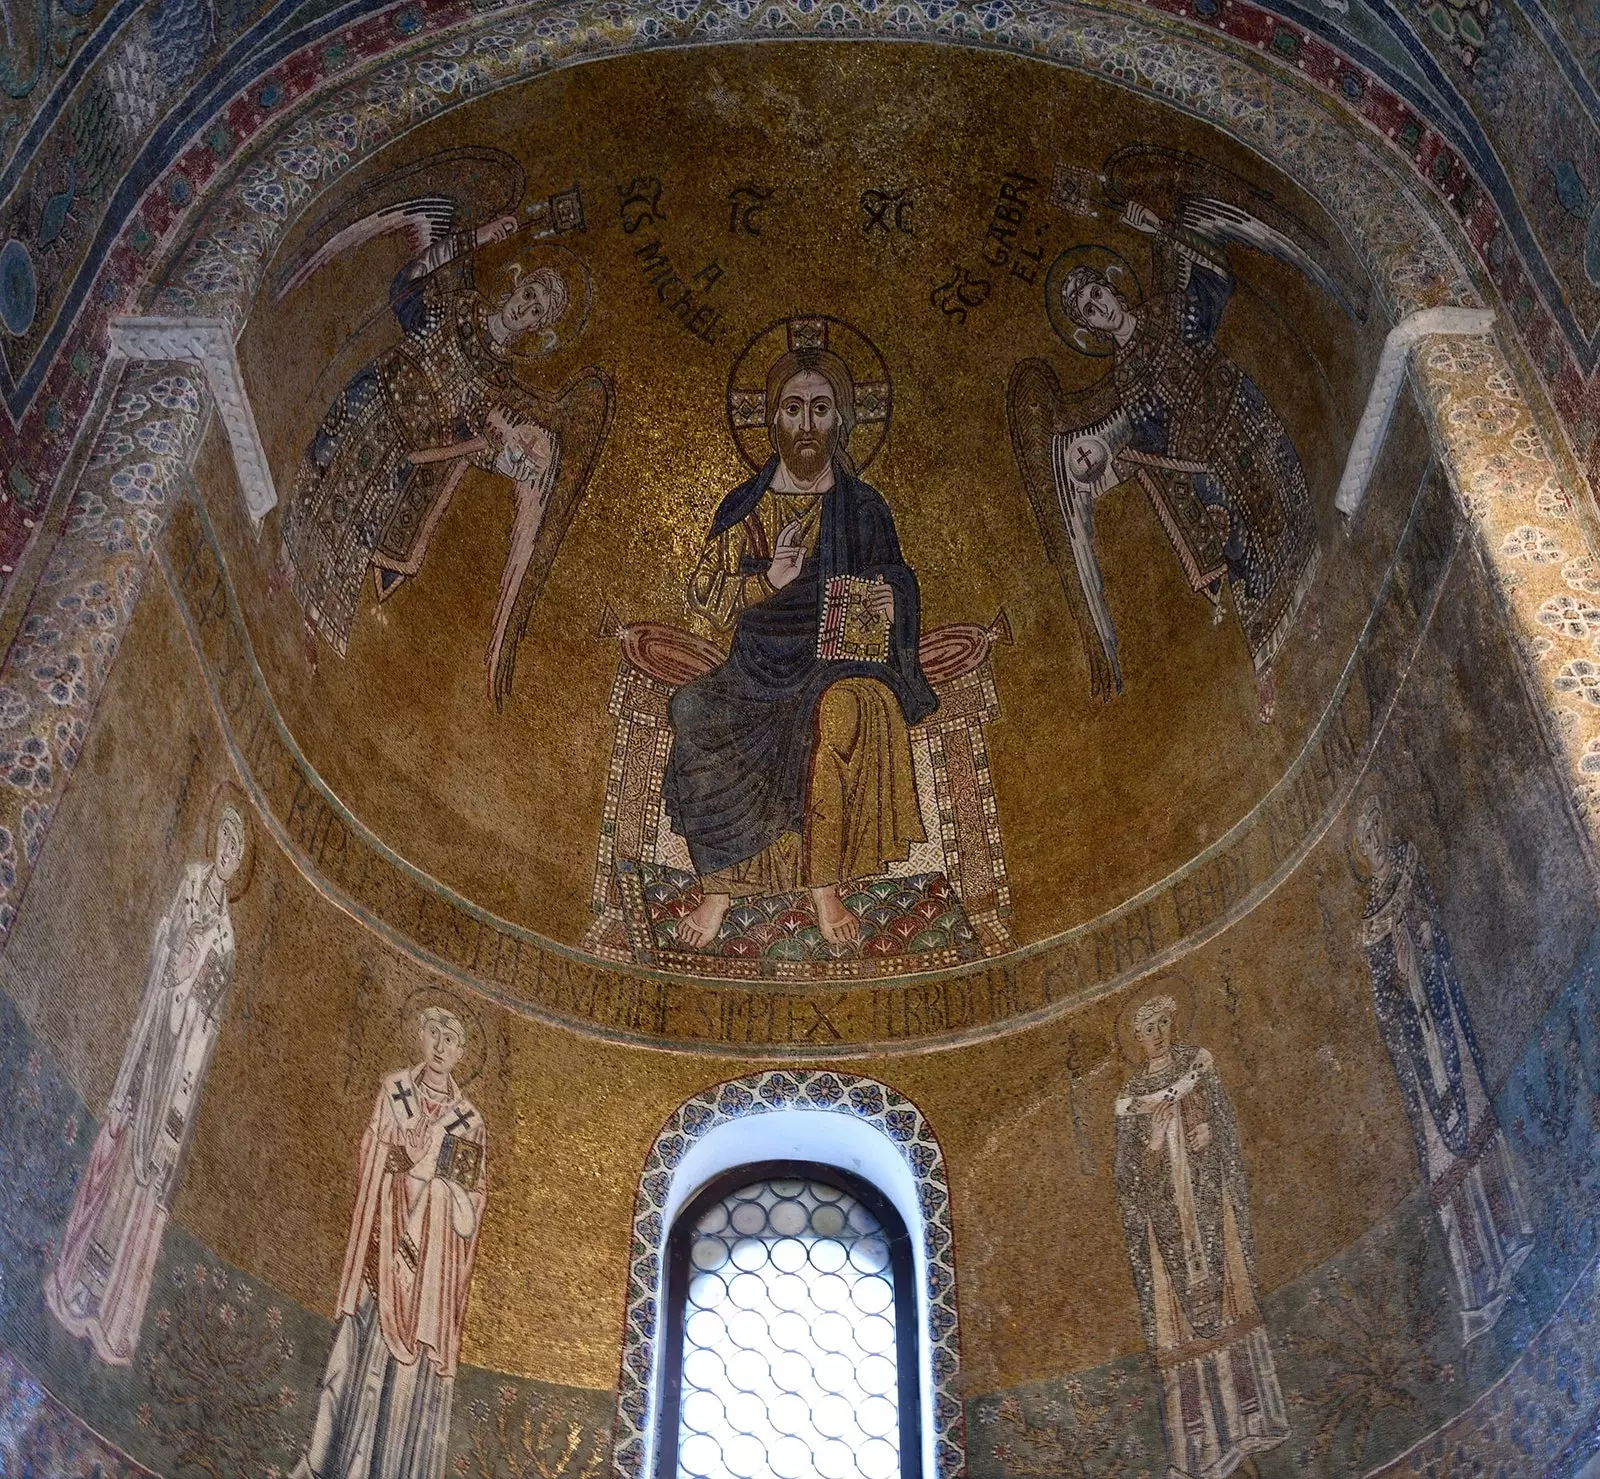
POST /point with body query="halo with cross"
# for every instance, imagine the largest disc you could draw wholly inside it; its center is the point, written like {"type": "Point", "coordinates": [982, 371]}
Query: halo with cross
{"type": "Point", "coordinates": [747, 384]}
{"type": "Point", "coordinates": [1116, 270]}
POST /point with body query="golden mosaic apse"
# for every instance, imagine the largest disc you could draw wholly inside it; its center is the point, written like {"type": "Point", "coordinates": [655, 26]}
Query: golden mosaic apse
{"type": "Point", "coordinates": [744, 197]}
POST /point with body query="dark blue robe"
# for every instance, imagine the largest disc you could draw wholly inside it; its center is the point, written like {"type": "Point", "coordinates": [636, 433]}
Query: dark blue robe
{"type": "Point", "coordinates": [740, 768]}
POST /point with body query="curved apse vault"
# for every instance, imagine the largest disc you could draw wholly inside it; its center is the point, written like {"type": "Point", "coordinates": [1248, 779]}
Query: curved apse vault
{"type": "Point", "coordinates": [1230, 917]}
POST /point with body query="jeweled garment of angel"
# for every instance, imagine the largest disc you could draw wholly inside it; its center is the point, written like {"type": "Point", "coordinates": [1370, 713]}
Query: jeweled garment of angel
{"type": "Point", "coordinates": [446, 396]}
{"type": "Point", "coordinates": [1172, 413]}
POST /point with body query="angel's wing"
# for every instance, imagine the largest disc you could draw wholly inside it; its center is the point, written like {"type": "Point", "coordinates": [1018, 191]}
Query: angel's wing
{"type": "Point", "coordinates": [424, 220]}
{"type": "Point", "coordinates": [1221, 205]}
{"type": "Point", "coordinates": [580, 420]}
{"type": "Point", "coordinates": [1221, 221]}
{"type": "Point", "coordinates": [426, 199]}
{"type": "Point", "coordinates": [1037, 411]}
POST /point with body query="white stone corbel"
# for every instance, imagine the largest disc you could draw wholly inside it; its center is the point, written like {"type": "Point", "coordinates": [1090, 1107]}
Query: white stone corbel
{"type": "Point", "coordinates": [1374, 426]}
{"type": "Point", "coordinates": [206, 342]}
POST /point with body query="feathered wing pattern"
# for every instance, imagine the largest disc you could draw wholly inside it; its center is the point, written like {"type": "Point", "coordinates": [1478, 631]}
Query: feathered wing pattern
{"type": "Point", "coordinates": [425, 220]}
{"type": "Point", "coordinates": [1216, 204]}
{"type": "Point", "coordinates": [1037, 412]}
{"type": "Point", "coordinates": [1220, 222]}
{"type": "Point", "coordinates": [426, 199]}
{"type": "Point", "coordinates": [580, 420]}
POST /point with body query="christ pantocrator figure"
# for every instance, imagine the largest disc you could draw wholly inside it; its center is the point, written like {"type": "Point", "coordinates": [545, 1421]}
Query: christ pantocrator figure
{"type": "Point", "coordinates": [789, 769]}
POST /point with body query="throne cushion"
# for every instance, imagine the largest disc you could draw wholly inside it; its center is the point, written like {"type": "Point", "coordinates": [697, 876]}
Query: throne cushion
{"type": "Point", "coordinates": [914, 923]}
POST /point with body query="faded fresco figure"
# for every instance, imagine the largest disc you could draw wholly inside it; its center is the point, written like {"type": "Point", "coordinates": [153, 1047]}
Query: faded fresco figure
{"type": "Point", "coordinates": [102, 1275]}
{"type": "Point", "coordinates": [1422, 1017]}
{"type": "Point", "coordinates": [1177, 416]}
{"type": "Point", "coordinates": [392, 449]}
{"type": "Point", "coordinates": [790, 769]}
{"type": "Point", "coordinates": [383, 1407]}
{"type": "Point", "coordinates": [1186, 1218]}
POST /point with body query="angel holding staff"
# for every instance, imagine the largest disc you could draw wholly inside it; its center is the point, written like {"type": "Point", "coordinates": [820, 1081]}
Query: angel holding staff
{"type": "Point", "coordinates": [393, 447]}
{"type": "Point", "coordinates": [1173, 413]}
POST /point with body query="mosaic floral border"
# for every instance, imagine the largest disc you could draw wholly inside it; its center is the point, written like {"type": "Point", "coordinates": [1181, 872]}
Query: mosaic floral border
{"type": "Point", "coordinates": [1502, 465]}
{"type": "Point", "coordinates": [133, 464]}
{"type": "Point", "coordinates": [216, 275]}
{"type": "Point", "coordinates": [56, 668]}
{"type": "Point", "coordinates": [876, 1104]}
{"type": "Point", "coordinates": [40, 1435]}
{"type": "Point", "coordinates": [181, 178]}
{"type": "Point", "coordinates": [1530, 537]}
{"type": "Point", "coordinates": [512, 42]}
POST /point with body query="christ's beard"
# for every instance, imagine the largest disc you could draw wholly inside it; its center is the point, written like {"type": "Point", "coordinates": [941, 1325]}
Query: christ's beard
{"type": "Point", "coordinates": [806, 455]}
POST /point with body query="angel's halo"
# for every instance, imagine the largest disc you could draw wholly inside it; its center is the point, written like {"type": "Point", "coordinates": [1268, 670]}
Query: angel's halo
{"type": "Point", "coordinates": [1116, 270]}
{"type": "Point", "coordinates": [579, 283]}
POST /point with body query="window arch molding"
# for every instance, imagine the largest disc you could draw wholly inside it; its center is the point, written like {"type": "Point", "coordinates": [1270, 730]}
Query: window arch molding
{"type": "Point", "coordinates": [852, 1123]}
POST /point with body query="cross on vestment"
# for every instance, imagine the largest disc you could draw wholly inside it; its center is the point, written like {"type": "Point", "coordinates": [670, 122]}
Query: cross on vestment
{"type": "Point", "coordinates": [1085, 460]}
{"type": "Point", "coordinates": [462, 1121]}
{"type": "Point", "coordinates": [402, 1096]}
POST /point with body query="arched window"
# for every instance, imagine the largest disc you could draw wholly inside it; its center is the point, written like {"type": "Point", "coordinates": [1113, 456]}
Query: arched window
{"type": "Point", "coordinates": [844, 1123]}
{"type": "Point", "coordinates": [791, 1332]}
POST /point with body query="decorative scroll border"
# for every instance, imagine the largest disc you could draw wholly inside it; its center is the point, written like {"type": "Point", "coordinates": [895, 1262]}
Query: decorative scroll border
{"type": "Point", "coordinates": [888, 1112]}
{"type": "Point", "coordinates": [536, 977]}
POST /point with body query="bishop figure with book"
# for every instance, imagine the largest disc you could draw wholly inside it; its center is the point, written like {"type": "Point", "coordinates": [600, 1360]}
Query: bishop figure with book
{"type": "Point", "coordinates": [791, 762]}
{"type": "Point", "coordinates": [383, 1404]}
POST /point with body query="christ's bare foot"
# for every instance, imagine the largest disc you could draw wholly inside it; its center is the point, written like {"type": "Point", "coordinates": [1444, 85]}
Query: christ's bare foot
{"type": "Point", "coordinates": [698, 928]}
{"type": "Point", "coordinates": [838, 925]}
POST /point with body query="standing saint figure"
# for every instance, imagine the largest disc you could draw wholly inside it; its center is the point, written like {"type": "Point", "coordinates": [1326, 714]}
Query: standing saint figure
{"type": "Point", "coordinates": [789, 768]}
{"type": "Point", "coordinates": [101, 1279]}
{"type": "Point", "coordinates": [1422, 1018]}
{"type": "Point", "coordinates": [1186, 1218]}
{"type": "Point", "coordinates": [1177, 416]}
{"type": "Point", "coordinates": [394, 446]}
{"type": "Point", "coordinates": [383, 1406]}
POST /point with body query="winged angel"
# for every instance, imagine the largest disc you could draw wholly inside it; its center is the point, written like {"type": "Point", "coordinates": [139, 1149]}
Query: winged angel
{"type": "Point", "coordinates": [1173, 413]}
{"type": "Point", "coordinates": [394, 445]}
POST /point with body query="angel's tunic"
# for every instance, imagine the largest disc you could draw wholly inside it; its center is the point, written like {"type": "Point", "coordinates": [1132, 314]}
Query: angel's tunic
{"type": "Point", "coordinates": [383, 1408]}
{"type": "Point", "coordinates": [1186, 1221]}
{"type": "Point", "coordinates": [102, 1275]}
{"type": "Point", "coordinates": [1245, 515]}
{"type": "Point", "coordinates": [358, 500]}
{"type": "Point", "coordinates": [788, 768]}
{"type": "Point", "coordinates": [1422, 1017]}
